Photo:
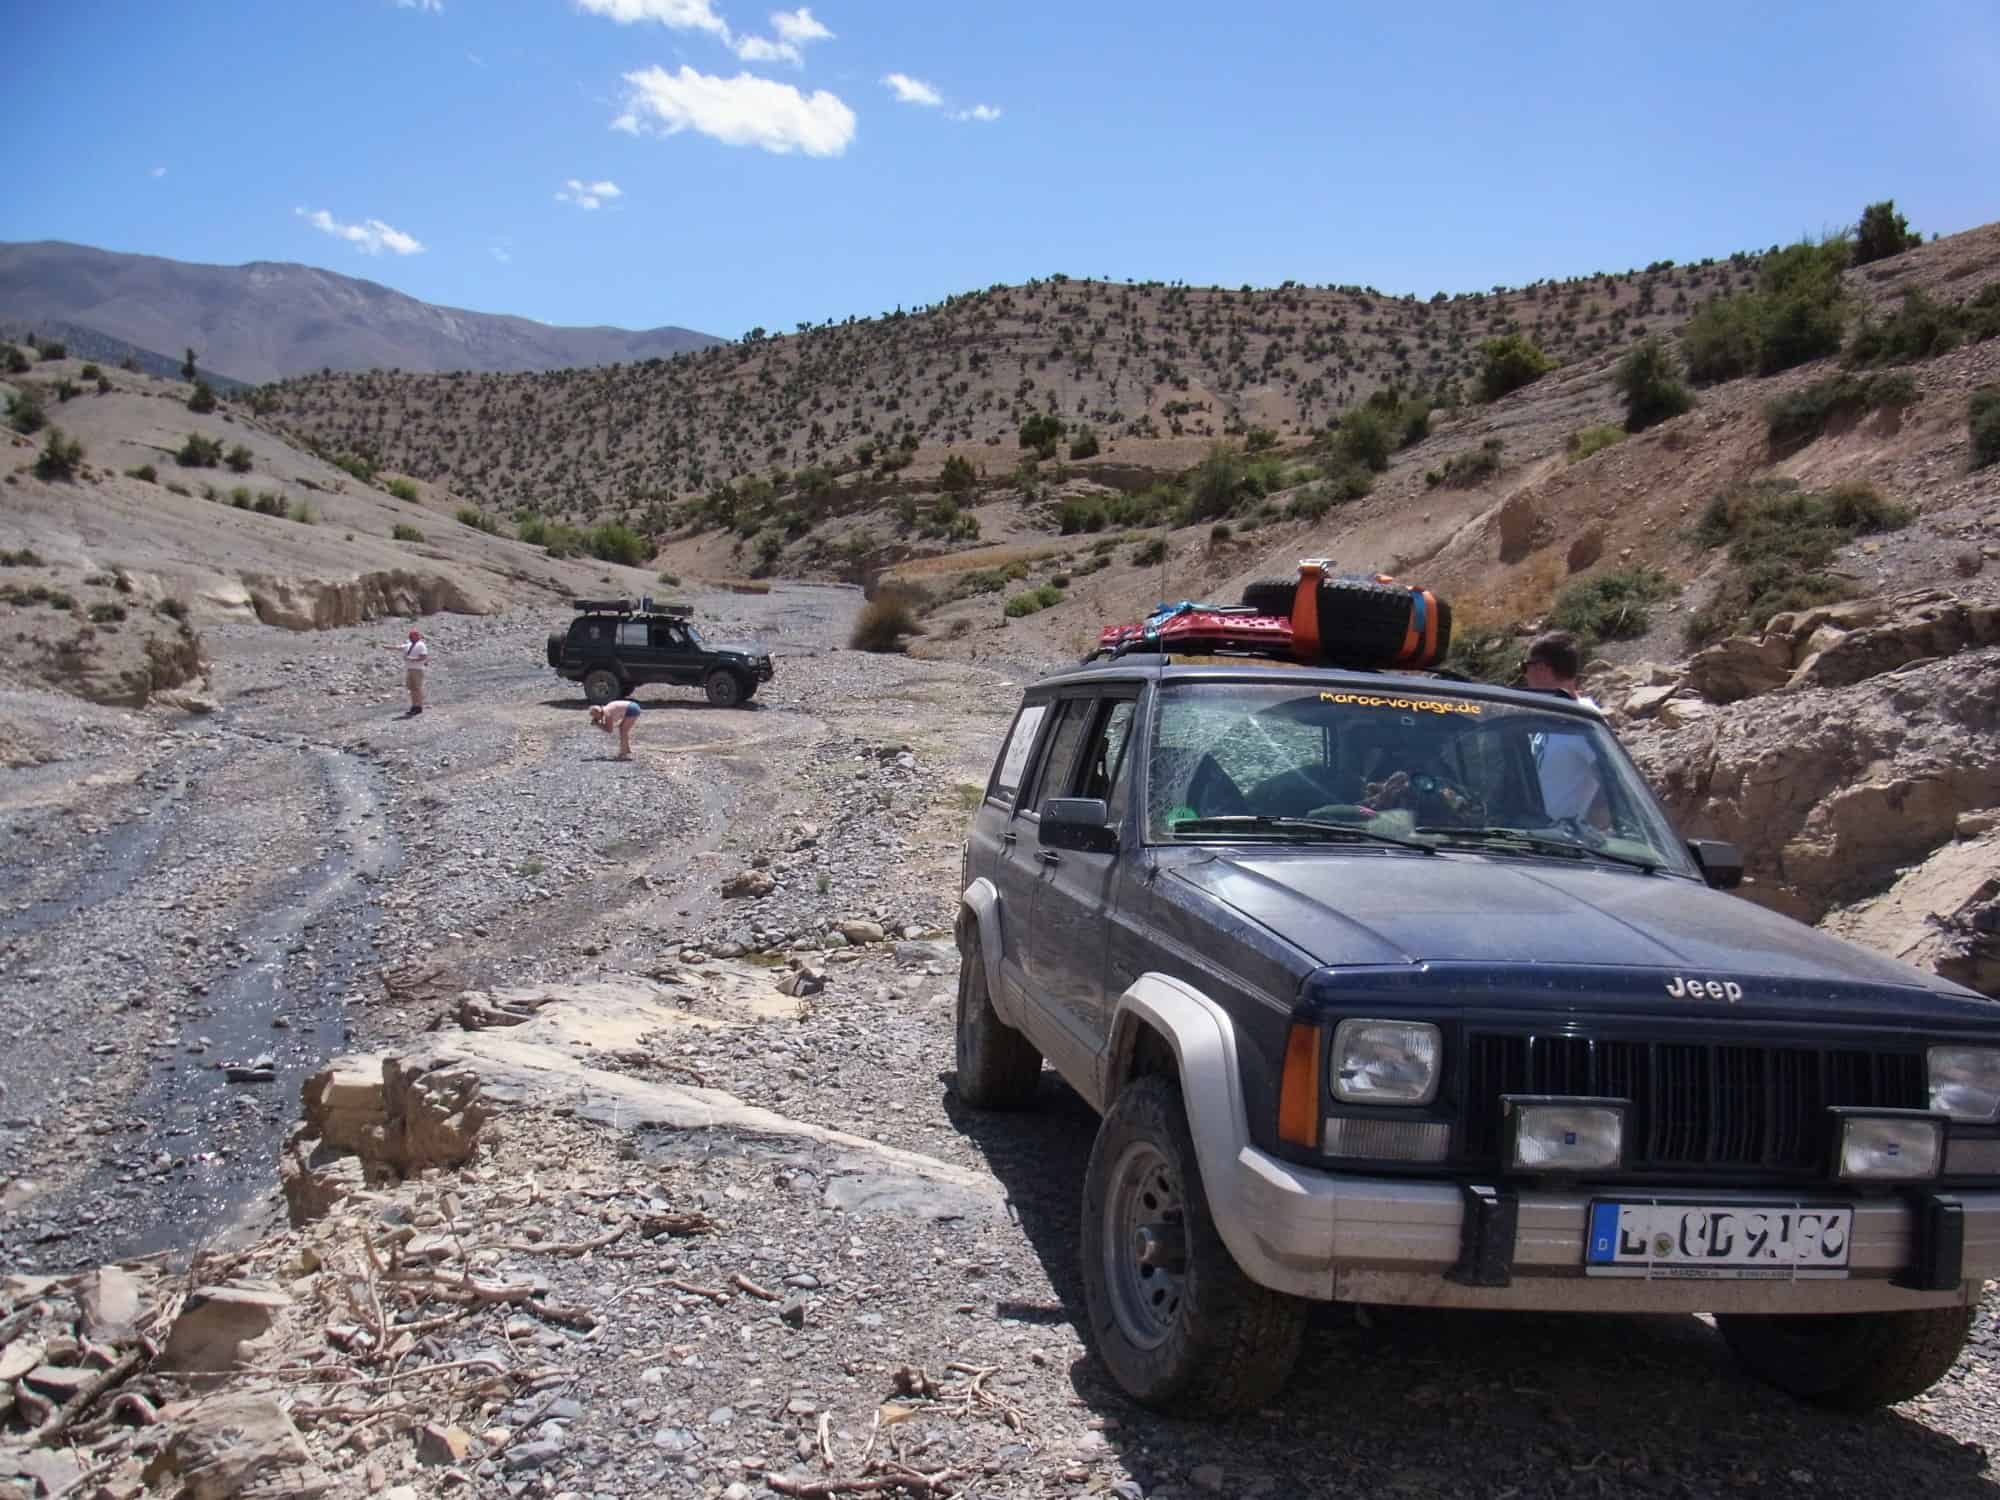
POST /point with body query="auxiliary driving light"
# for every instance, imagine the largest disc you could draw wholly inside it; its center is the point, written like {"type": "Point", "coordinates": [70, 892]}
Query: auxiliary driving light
{"type": "Point", "coordinates": [1549, 1133]}
{"type": "Point", "coordinates": [1889, 1145]}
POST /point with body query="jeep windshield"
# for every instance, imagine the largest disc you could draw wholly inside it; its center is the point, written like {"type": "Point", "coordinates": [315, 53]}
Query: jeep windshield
{"type": "Point", "coordinates": [1282, 763]}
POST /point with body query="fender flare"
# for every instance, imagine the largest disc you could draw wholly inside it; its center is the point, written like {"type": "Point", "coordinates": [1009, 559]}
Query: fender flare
{"type": "Point", "coordinates": [1203, 1040]}
{"type": "Point", "coordinates": [980, 905]}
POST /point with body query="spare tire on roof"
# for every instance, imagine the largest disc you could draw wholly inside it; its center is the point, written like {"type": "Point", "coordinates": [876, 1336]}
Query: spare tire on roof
{"type": "Point", "coordinates": [1357, 622]}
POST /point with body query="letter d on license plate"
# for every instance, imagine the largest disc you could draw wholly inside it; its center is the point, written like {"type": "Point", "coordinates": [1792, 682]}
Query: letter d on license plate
{"type": "Point", "coordinates": [1720, 1241]}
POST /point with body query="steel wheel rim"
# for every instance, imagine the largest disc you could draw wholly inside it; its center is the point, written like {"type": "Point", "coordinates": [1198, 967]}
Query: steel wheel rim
{"type": "Point", "coordinates": [1145, 1246]}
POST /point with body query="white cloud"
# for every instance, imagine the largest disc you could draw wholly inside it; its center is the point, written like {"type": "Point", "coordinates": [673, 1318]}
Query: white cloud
{"type": "Point", "coordinates": [504, 257]}
{"type": "Point", "coordinates": [680, 15]}
{"type": "Point", "coordinates": [740, 111]}
{"type": "Point", "coordinates": [588, 194]}
{"type": "Point", "coordinates": [159, 171]}
{"type": "Point", "coordinates": [370, 237]}
{"type": "Point", "coordinates": [795, 28]}
{"type": "Point", "coordinates": [979, 112]}
{"type": "Point", "coordinates": [910, 90]}
{"type": "Point", "coordinates": [433, 6]}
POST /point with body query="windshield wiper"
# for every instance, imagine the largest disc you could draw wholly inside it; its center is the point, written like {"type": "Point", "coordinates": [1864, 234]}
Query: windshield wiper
{"type": "Point", "coordinates": [1540, 843]}
{"type": "Point", "coordinates": [1266, 823]}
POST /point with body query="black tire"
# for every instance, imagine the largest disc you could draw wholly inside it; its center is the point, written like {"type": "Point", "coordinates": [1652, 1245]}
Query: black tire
{"type": "Point", "coordinates": [1361, 624]}
{"type": "Point", "coordinates": [1208, 1342]}
{"type": "Point", "coordinates": [998, 1067]}
{"type": "Point", "coordinates": [1850, 1361]}
{"type": "Point", "coordinates": [601, 686]}
{"type": "Point", "coordinates": [724, 688]}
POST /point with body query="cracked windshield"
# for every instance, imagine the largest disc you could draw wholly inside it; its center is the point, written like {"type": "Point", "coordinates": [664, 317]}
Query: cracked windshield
{"type": "Point", "coordinates": [1430, 768]}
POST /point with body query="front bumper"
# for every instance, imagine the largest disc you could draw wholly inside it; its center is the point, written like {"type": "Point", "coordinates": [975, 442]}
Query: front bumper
{"type": "Point", "coordinates": [1351, 1238]}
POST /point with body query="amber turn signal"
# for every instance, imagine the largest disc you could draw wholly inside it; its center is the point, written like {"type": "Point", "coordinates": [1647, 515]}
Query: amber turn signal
{"type": "Point", "coordinates": [1298, 1090]}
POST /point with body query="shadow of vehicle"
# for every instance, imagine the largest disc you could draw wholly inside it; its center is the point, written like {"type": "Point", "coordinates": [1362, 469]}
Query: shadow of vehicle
{"type": "Point", "coordinates": [649, 705]}
{"type": "Point", "coordinates": [1411, 1402]}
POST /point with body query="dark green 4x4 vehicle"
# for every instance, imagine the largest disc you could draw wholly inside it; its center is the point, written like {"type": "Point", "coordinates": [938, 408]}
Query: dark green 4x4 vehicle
{"type": "Point", "coordinates": [616, 645]}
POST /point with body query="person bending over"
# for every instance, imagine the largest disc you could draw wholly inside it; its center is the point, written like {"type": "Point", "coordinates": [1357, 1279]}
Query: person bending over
{"type": "Point", "coordinates": [620, 714]}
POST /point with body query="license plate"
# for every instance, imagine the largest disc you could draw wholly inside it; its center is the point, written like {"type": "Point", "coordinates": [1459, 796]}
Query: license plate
{"type": "Point", "coordinates": [1718, 1241]}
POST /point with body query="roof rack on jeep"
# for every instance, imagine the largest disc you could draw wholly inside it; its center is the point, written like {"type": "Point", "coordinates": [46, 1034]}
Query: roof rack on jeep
{"type": "Point", "coordinates": [631, 607]}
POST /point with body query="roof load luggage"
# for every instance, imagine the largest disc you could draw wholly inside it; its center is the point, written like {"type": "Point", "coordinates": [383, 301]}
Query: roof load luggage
{"type": "Point", "coordinates": [1322, 618]}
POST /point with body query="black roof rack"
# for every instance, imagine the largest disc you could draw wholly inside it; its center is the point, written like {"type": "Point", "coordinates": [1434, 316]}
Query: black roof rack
{"type": "Point", "coordinates": [631, 607]}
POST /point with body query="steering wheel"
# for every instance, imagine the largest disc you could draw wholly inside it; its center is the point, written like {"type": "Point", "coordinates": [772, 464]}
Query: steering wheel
{"type": "Point", "coordinates": [1212, 791]}
{"type": "Point", "coordinates": [1428, 796]}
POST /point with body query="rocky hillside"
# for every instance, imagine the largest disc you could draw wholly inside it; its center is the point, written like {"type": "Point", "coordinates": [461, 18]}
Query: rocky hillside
{"type": "Point", "coordinates": [1155, 372]}
{"type": "Point", "coordinates": [269, 319]}
{"type": "Point", "coordinates": [129, 522]}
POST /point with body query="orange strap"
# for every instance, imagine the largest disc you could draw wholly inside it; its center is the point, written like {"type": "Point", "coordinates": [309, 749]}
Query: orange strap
{"type": "Point", "coordinates": [1305, 613]}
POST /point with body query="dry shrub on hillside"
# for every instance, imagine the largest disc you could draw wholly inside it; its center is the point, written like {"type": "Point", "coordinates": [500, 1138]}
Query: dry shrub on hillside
{"type": "Point", "coordinates": [888, 619]}
{"type": "Point", "coordinates": [1782, 544]}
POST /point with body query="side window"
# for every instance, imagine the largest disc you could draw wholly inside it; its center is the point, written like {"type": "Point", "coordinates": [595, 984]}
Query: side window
{"type": "Point", "coordinates": [666, 636]}
{"type": "Point", "coordinates": [1053, 778]}
{"type": "Point", "coordinates": [1104, 761]}
{"type": "Point", "coordinates": [631, 632]}
{"type": "Point", "coordinates": [1013, 763]}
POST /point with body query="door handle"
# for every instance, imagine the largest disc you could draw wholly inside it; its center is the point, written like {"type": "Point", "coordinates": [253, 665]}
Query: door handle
{"type": "Point", "coordinates": [1007, 840]}
{"type": "Point", "coordinates": [1049, 857]}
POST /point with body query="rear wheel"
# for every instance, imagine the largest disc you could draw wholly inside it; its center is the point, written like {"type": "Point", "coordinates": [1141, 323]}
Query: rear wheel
{"type": "Point", "coordinates": [1851, 1361]}
{"type": "Point", "coordinates": [1173, 1317]}
{"type": "Point", "coordinates": [601, 686]}
{"type": "Point", "coordinates": [998, 1067]}
{"type": "Point", "coordinates": [724, 688]}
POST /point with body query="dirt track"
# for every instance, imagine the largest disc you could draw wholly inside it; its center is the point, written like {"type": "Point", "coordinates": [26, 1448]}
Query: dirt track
{"type": "Point", "coordinates": [308, 856]}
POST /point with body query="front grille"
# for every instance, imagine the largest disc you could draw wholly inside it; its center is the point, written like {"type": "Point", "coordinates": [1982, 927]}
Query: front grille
{"type": "Point", "coordinates": [1694, 1104]}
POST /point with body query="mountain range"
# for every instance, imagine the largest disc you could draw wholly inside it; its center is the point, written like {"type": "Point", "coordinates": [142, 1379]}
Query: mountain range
{"type": "Point", "coordinates": [270, 319]}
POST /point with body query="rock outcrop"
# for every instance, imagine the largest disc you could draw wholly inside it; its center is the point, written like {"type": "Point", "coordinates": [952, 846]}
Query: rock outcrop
{"type": "Point", "coordinates": [322, 604]}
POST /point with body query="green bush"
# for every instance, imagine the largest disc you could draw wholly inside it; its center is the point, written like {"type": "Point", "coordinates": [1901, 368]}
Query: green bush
{"type": "Point", "coordinates": [1611, 606]}
{"type": "Point", "coordinates": [173, 609]}
{"type": "Point", "coordinates": [1259, 439]}
{"type": "Point", "coordinates": [302, 513]}
{"type": "Point", "coordinates": [1796, 314]}
{"type": "Point", "coordinates": [25, 557]}
{"type": "Point", "coordinates": [1882, 233]}
{"type": "Point", "coordinates": [402, 489]}
{"type": "Point", "coordinates": [106, 614]}
{"type": "Point", "coordinates": [532, 529]}
{"type": "Point", "coordinates": [477, 519]}
{"type": "Point", "coordinates": [1041, 432]}
{"type": "Point", "coordinates": [146, 472]}
{"type": "Point", "coordinates": [615, 542]}
{"type": "Point", "coordinates": [17, 362]}
{"type": "Point", "coordinates": [1506, 364]}
{"type": "Point", "coordinates": [1982, 425]}
{"type": "Point", "coordinates": [1471, 467]}
{"type": "Point", "coordinates": [403, 533]}
{"type": "Point", "coordinates": [1221, 531]}
{"type": "Point", "coordinates": [24, 412]}
{"type": "Point", "coordinates": [52, 348]}
{"type": "Point", "coordinates": [239, 459]}
{"type": "Point", "coordinates": [1924, 329]}
{"type": "Point", "coordinates": [1782, 543]}
{"type": "Point", "coordinates": [957, 476]}
{"type": "Point", "coordinates": [202, 401]}
{"type": "Point", "coordinates": [1489, 653]}
{"type": "Point", "coordinates": [353, 464]}
{"type": "Point", "coordinates": [1366, 437]}
{"type": "Point", "coordinates": [1074, 515]}
{"type": "Point", "coordinates": [60, 457]}
{"type": "Point", "coordinates": [92, 371]}
{"type": "Point", "coordinates": [1720, 341]}
{"type": "Point", "coordinates": [1033, 601]}
{"type": "Point", "coordinates": [1150, 554]}
{"type": "Point", "coordinates": [267, 503]}
{"type": "Point", "coordinates": [1648, 377]}
{"type": "Point", "coordinates": [1588, 440]}
{"type": "Point", "coordinates": [671, 580]}
{"type": "Point", "coordinates": [1084, 444]}
{"type": "Point", "coordinates": [199, 452]}
{"type": "Point", "coordinates": [1796, 419]}
{"type": "Point", "coordinates": [1216, 484]}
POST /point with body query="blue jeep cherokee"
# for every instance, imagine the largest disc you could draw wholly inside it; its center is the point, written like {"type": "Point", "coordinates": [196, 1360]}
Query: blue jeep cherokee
{"type": "Point", "coordinates": [1397, 989]}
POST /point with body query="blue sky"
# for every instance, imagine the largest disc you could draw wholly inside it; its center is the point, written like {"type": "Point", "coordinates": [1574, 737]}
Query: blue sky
{"type": "Point", "coordinates": [772, 166]}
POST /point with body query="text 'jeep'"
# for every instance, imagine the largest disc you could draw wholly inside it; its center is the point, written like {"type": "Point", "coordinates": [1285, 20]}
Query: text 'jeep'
{"type": "Point", "coordinates": [1397, 989]}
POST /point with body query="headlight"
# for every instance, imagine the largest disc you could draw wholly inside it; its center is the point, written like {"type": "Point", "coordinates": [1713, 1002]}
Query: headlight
{"type": "Point", "coordinates": [1386, 1062]}
{"type": "Point", "coordinates": [1562, 1135]}
{"type": "Point", "coordinates": [1965, 1083]}
{"type": "Point", "coordinates": [1890, 1146]}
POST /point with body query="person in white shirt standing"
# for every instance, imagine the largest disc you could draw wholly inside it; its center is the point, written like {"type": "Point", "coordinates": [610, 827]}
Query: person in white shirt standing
{"type": "Point", "coordinates": [1565, 763]}
{"type": "Point", "coordinates": [416, 658]}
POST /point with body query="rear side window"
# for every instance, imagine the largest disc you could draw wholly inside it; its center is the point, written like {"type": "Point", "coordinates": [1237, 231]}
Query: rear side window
{"type": "Point", "coordinates": [1013, 762]}
{"type": "Point", "coordinates": [1053, 779]}
{"type": "Point", "coordinates": [632, 632]}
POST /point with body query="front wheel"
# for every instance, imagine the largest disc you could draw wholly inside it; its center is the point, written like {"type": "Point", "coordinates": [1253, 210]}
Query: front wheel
{"type": "Point", "coordinates": [998, 1067]}
{"type": "Point", "coordinates": [723, 688]}
{"type": "Point", "coordinates": [1850, 1361]}
{"type": "Point", "coordinates": [1174, 1319]}
{"type": "Point", "coordinates": [601, 686]}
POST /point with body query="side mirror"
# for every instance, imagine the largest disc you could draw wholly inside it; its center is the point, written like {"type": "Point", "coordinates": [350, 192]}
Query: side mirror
{"type": "Point", "coordinates": [1082, 823]}
{"type": "Point", "coordinates": [1721, 863]}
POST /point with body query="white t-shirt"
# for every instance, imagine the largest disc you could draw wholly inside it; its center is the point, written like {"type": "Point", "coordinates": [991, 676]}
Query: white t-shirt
{"type": "Point", "coordinates": [416, 656]}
